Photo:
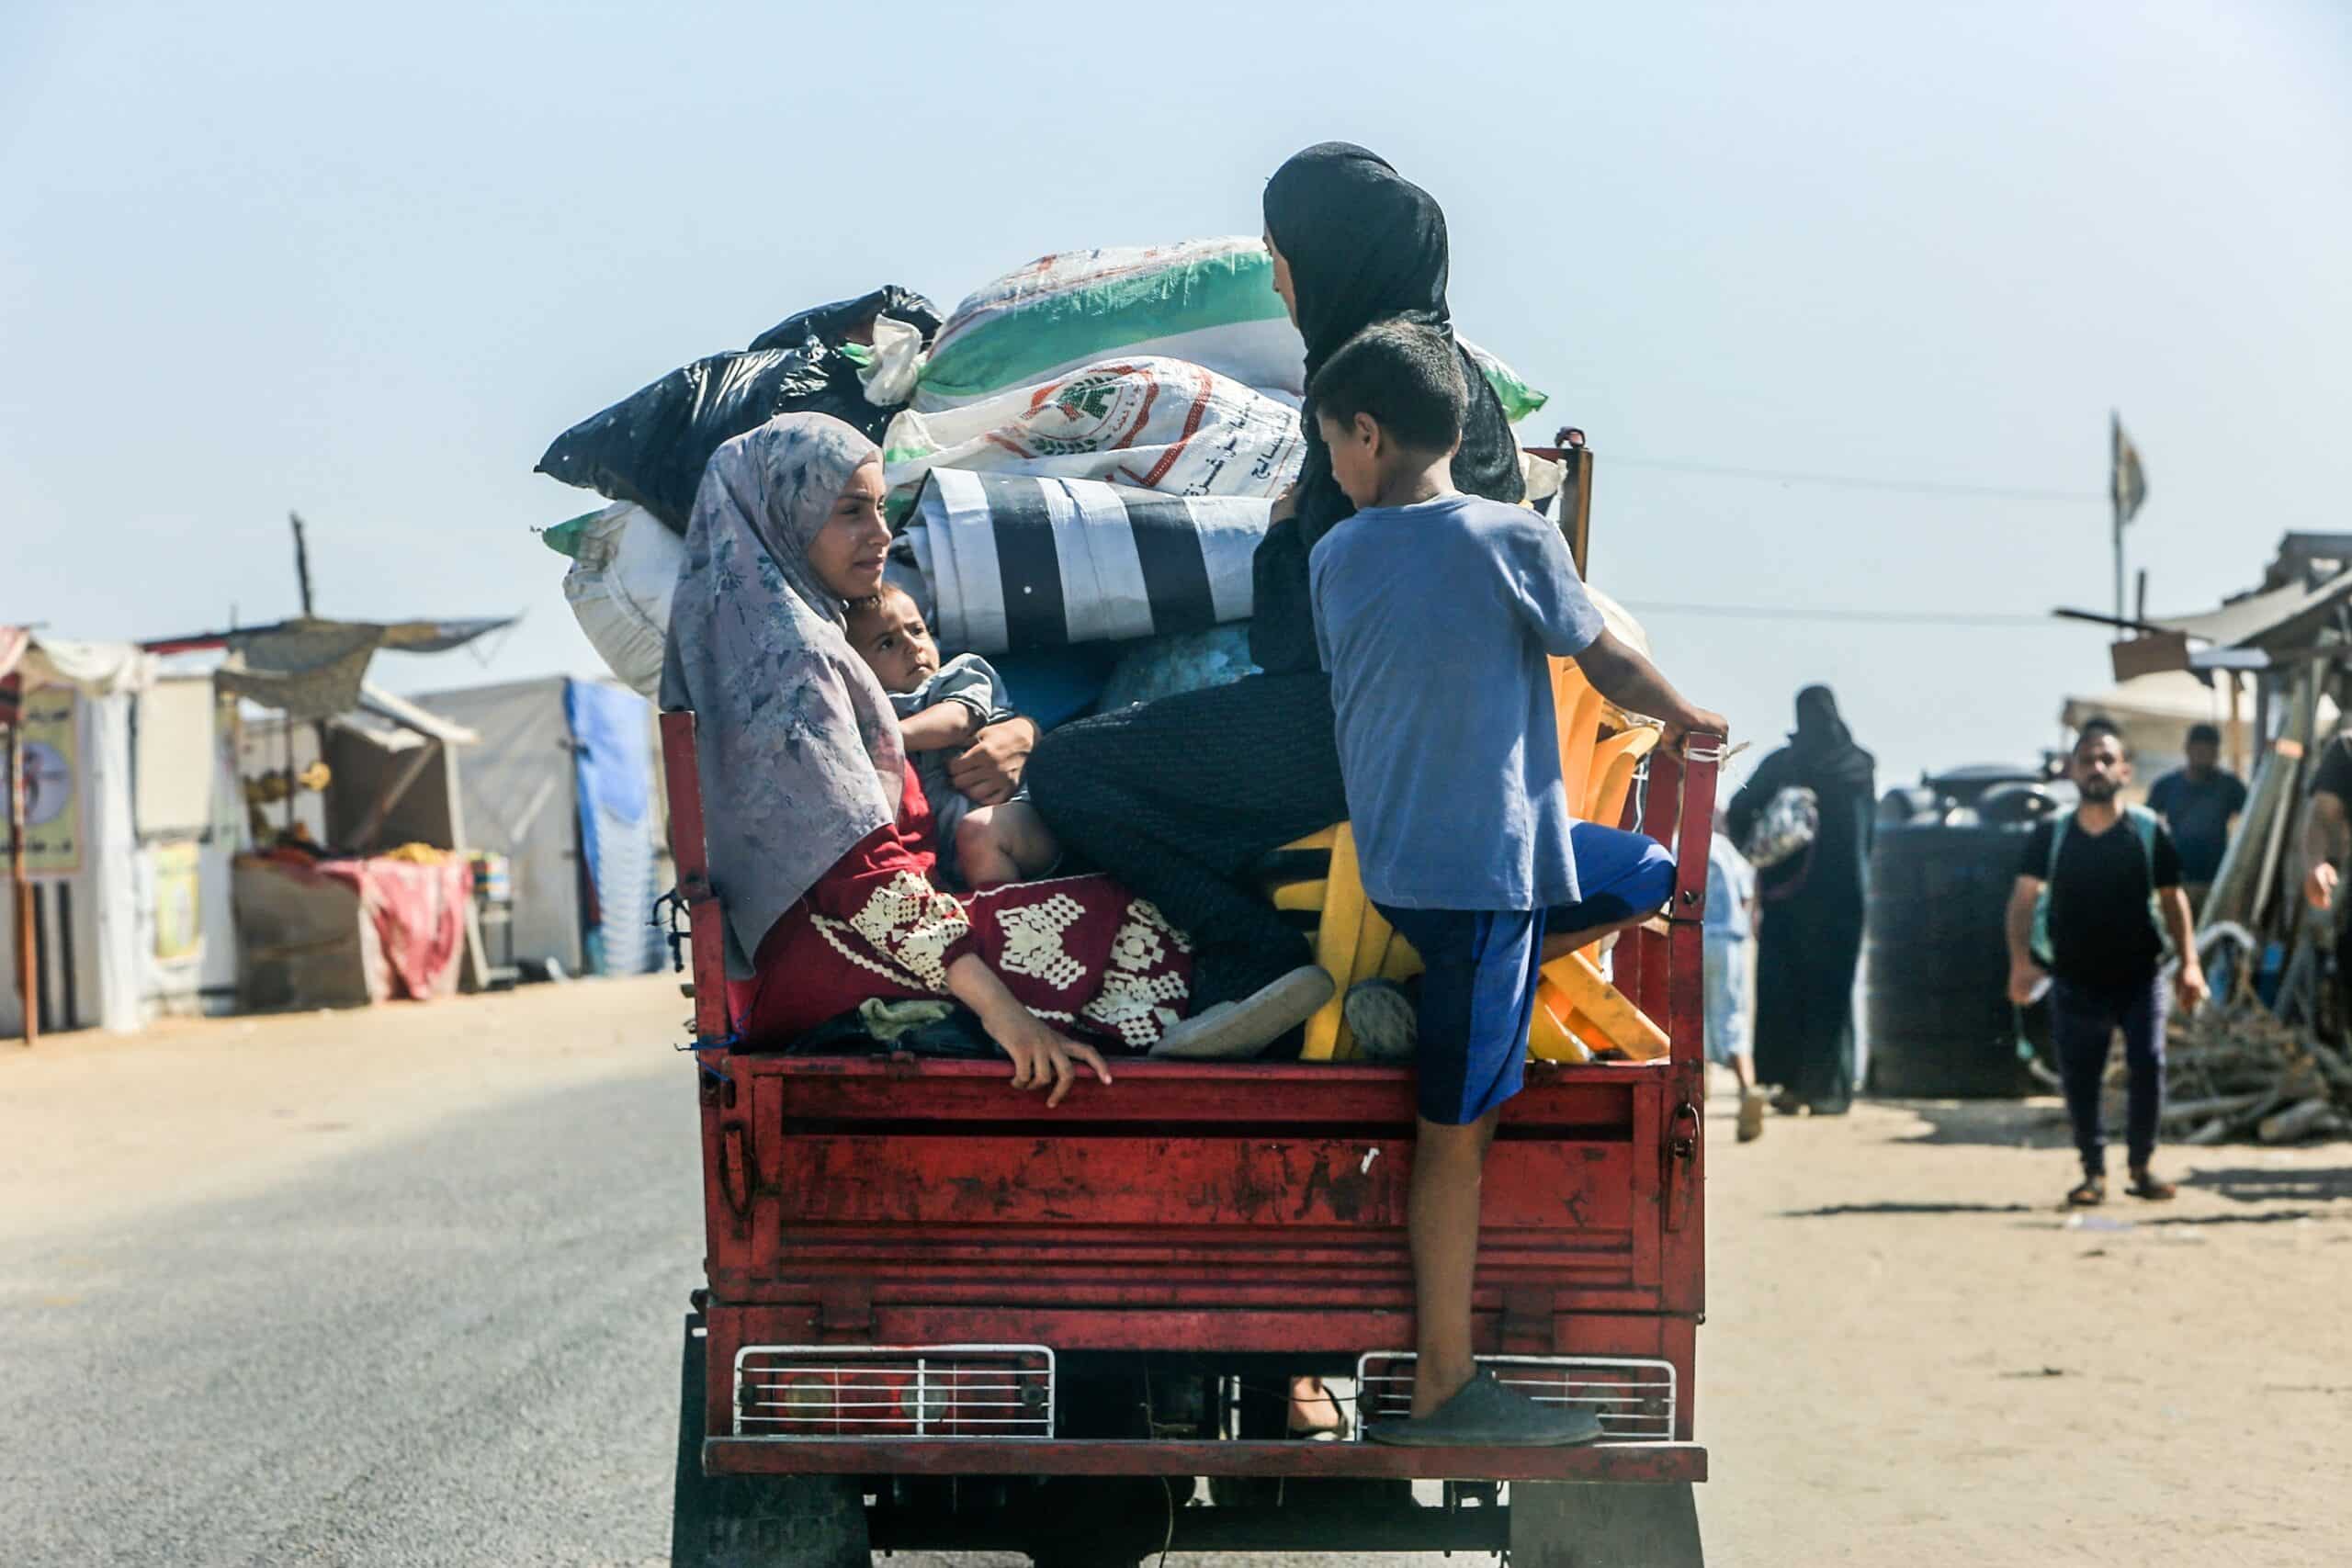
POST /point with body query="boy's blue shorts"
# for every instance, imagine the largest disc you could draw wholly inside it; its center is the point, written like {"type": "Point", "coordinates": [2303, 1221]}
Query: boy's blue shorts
{"type": "Point", "coordinates": [1479, 970]}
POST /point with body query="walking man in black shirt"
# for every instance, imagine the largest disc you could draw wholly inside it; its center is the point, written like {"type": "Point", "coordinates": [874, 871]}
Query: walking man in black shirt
{"type": "Point", "coordinates": [2097, 879]}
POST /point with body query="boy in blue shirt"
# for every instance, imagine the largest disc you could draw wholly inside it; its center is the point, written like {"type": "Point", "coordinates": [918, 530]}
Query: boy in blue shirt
{"type": "Point", "coordinates": [1435, 612]}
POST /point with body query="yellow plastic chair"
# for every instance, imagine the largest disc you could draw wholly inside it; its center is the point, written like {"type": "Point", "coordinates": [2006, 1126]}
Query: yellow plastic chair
{"type": "Point", "coordinates": [1577, 1012]}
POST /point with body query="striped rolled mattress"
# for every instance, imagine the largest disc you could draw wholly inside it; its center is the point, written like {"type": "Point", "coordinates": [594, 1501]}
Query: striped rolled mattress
{"type": "Point", "coordinates": [1015, 561]}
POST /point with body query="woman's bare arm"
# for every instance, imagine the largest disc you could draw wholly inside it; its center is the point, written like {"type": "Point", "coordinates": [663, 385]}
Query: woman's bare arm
{"type": "Point", "coordinates": [1041, 1055]}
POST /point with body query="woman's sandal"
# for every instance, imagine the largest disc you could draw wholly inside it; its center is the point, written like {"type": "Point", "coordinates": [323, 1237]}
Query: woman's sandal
{"type": "Point", "coordinates": [2090, 1193]}
{"type": "Point", "coordinates": [2145, 1185]}
{"type": "Point", "coordinates": [1315, 1413]}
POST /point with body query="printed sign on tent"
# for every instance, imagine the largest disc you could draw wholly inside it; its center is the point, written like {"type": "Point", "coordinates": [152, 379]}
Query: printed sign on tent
{"type": "Point", "coordinates": [53, 784]}
{"type": "Point", "coordinates": [179, 927]}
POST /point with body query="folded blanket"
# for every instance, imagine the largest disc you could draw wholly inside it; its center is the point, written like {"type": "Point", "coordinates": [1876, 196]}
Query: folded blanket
{"type": "Point", "coordinates": [1015, 561]}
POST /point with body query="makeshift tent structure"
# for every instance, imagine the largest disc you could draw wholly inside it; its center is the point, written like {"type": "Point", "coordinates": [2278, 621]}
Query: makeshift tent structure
{"type": "Point", "coordinates": [73, 957]}
{"type": "Point", "coordinates": [369, 901]}
{"type": "Point", "coordinates": [562, 784]}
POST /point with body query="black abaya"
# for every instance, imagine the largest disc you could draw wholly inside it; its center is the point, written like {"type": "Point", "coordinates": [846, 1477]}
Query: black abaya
{"type": "Point", "coordinates": [1810, 942]}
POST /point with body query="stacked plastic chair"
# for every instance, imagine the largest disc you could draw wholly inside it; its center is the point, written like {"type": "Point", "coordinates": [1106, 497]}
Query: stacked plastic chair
{"type": "Point", "coordinates": [1578, 1013]}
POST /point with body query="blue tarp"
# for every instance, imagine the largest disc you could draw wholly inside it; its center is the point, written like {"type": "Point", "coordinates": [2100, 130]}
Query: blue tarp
{"type": "Point", "coordinates": [613, 756]}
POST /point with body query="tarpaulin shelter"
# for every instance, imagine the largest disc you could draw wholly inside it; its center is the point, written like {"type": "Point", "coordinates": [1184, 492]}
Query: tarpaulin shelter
{"type": "Point", "coordinates": [366, 896]}
{"type": "Point", "coordinates": [562, 784]}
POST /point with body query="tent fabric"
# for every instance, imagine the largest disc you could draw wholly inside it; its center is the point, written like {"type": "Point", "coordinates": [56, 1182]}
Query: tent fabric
{"type": "Point", "coordinates": [313, 669]}
{"type": "Point", "coordinates": [100, 669]}
{"type": "Point", "coordinates": [377, 702]}
{"type": "Point", "coordinates": [613, 755]}
{"type": "Point", "coordinates": [2278, 615]}
{"type": "Point", "coordinates": [349, 932]}
{"type": "Point", "coordinates": [111, 869]}
{"type": "Point", "coordinates": [518, 792]}
{"type": "Point", "coordinates": [2172, 695]}
{"type": "Point", "coordinates": [306, 669]}
{"type": "Point", "coordinates": [174, 739]}
{"type": "Point", "coordinates": [441, 636]}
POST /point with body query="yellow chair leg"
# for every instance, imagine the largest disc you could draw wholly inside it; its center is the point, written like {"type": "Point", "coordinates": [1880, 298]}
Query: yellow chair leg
{"type": "Point", "coordinates": [1602, 1016]}
{"type": "Point", "coordinates": [1336, 939]}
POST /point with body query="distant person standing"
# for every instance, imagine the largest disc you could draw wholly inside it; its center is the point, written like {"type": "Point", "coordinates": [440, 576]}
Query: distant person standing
{"type": "Point", "coordinates": [1730, 972]}
{"type": "Point", "coordinates": [2328, 842]}
{"type": "Point", "coordinates": [2197, 803]}
{"type": "Point", "coordinates": [1809, 941]}
{"type": "Point", "coordinates": [2096, 880]}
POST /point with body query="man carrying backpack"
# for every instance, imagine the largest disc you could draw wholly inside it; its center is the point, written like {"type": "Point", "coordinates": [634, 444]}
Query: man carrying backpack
{"type": "Point", "coordinates": [2092, 884]}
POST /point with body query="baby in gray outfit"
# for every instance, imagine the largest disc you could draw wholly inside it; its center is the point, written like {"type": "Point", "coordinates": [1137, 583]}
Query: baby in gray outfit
{"type": "Point", "coordinates": [941, 709]}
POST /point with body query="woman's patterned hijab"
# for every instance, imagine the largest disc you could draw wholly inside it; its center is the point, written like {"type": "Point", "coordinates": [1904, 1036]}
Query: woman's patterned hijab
{"type": "Point", "coordinates": [799, 751]}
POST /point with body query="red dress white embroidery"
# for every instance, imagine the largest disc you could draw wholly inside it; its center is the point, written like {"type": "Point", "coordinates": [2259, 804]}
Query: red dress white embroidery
{"type": "Point", "coordinates": [1081, 951]}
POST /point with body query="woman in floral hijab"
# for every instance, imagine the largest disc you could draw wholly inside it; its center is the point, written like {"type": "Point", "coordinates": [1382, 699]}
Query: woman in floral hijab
{"type": "Point", "coordinates": [818, 834]}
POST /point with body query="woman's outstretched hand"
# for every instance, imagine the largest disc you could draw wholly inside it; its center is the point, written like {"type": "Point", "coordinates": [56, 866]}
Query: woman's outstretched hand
{"type": "Point", "coordinates": [988, 771]}
{"type": "Point", "coordinates": [1042, 1056]}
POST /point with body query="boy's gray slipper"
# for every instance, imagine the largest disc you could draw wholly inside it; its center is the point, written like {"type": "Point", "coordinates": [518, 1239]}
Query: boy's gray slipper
{"type": "Point", "coordinates": [1231, 1030]}
{"type": "Point", "coordinates": [1486, 1414]}
{"type": "Point", "coordinates": [1382, 1018]}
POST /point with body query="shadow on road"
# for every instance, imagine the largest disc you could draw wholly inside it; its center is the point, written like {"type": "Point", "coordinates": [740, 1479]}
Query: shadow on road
{"type": "Point", "coordinates": [1834, 1210]}
{"type": "Point", "coordinates": [1988, 1124]}
{"type": "Point", "coordinates": [2326, 1184]}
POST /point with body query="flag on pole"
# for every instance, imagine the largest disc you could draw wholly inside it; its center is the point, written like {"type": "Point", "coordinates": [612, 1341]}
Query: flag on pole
{"type": "Point", "coordinates": [2127, 482]}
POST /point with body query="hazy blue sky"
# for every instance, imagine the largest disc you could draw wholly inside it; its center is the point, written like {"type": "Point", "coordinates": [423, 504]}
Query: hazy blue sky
{"type": "Point", "coordinates": [365, 262]}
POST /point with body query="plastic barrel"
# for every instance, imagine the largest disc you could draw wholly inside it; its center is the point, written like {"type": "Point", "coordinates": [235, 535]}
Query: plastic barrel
{"type": "Point", "coordinates": [1940, 1023]}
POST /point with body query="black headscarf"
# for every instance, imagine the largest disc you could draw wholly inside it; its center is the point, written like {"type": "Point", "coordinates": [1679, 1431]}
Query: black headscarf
{"type": "Point", "coordinates": [1823, 744]}
{"type": "Point", "coordinates": [1364, 245]}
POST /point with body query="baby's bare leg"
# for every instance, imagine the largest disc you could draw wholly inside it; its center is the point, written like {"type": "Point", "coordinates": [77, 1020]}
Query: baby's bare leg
{"type": "Point", "coordinates": [997, 844]}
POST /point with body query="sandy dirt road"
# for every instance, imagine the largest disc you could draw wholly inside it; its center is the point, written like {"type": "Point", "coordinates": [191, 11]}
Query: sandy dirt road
{"type": "Point", "coordinates": [260, 1302]}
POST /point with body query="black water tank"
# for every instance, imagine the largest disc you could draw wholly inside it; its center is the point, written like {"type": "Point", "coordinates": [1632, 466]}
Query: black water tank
{"type": "Point", "coordinates": [1940, 1022]}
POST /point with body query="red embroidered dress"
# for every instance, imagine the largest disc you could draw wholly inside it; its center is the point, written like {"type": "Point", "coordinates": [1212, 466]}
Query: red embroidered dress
{"type": "Point", "coordinates": [1080, 951]}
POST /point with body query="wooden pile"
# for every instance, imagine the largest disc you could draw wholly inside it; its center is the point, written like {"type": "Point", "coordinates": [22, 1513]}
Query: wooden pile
{"type": "Point", "coordinates": [2237, 1073]}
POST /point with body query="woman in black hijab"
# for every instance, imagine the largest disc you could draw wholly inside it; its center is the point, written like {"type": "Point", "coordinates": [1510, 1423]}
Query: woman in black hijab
{"type": "Point", "coordinates": [1355, 242]}
{"type": "Point", "coordinates": [1811, 938]}
{"type": "Point", "coordinates": [1183, 798]}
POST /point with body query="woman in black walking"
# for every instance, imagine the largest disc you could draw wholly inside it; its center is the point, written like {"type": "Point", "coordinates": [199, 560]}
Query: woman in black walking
{"type": "Point", "coordinates": [1810, 940]}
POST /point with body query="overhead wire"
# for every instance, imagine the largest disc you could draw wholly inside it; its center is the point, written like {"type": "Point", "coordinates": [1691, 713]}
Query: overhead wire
{"type": "Point", "coordinates": [1840, 613]}
{"type": "Point", "coordinates": [1852, 481]}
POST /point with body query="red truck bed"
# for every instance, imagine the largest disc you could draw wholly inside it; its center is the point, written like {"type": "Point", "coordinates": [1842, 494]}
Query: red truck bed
{"type": "Point", "coordinates": [908, 1260]}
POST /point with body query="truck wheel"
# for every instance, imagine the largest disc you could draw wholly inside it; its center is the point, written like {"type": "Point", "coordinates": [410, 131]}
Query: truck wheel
{"type": "Point", "coordinates": [767, 1521]}
{"type": "Point", "coordinates": [1592, 1524]}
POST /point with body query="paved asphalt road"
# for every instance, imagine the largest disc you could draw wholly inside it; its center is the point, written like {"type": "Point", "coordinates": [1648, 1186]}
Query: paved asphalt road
{"type": "Point", "coordinates": [457, 1347]}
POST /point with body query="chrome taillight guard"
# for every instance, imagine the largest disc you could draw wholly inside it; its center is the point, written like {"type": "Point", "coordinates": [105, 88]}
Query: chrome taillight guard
{"type": "Point", "coordinates": [941, 1392]}
{"type": "Point", "coordinates": [1635, 1398]}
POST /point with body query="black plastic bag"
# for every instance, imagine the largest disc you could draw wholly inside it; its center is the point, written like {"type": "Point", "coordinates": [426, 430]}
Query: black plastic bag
{"type": "Point", "coordinates": [652, 446]}
{"type": "Point", "coordinates": [851, 321]}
